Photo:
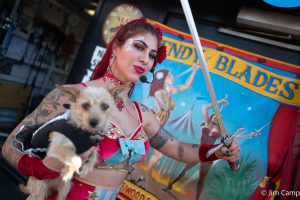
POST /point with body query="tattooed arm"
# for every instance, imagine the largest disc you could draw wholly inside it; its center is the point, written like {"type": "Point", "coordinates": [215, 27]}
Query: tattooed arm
{"type": "Point", "coordinates": [166, 143]}
{"type": "Point", "coordinates": [50, 107]}
{"type": "Point", "coordinates": [163, 141]}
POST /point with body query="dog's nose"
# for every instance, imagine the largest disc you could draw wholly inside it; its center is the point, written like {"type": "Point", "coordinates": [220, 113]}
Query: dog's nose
{"type": "Point", "coordinates": [93, 122]}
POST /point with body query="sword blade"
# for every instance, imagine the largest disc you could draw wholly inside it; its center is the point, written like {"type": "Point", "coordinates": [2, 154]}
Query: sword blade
{"type": "Point", "coordinates": [199, 50]}
{"type": "Point", "coordinates": [264, 126]}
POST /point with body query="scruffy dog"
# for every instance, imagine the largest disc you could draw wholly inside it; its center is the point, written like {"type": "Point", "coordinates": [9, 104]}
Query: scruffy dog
{"type": "Point", "coordinates": [72, 133]}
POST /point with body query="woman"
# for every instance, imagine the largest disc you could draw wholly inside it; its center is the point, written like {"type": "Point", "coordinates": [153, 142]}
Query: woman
{"type": "Point", "coordinates": [135, 49]}
{"type": "Point", "coordinates": [162, 90]}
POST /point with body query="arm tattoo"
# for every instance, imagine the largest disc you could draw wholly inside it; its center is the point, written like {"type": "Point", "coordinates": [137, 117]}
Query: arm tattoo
{"type": "Point", "coordinates": [50, 105]}
{"type": "Point", "coordinates": [12, 156]}
{"type": "Point", "coordinates": [195, 146]}
{"type": "Point", "coordinates": [180, 151]}
{"type": "Point", "coordinates": [160, 138]}
{"type": "Point", "coordinates": [144, 108]}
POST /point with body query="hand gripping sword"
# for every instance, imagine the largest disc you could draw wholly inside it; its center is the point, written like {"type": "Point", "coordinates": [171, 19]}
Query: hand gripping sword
{"type": "Point", "coordinates": [225, 138]}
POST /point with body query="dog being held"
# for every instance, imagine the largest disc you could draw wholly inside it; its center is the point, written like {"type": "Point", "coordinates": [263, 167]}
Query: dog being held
{"type": "Point", "coordinates": [72, 134]}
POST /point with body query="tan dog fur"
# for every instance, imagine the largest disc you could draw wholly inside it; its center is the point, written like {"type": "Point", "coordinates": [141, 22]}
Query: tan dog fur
{"type": "Point", "coordinates": [87, 104]}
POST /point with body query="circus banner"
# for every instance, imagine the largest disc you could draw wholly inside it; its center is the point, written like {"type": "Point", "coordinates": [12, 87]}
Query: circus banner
{"type": "Point", "coordinates": [249, 88]}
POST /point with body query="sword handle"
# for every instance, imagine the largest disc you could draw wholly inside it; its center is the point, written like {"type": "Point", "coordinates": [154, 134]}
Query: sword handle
{"type": "Point", "coordinates": [234, 166]}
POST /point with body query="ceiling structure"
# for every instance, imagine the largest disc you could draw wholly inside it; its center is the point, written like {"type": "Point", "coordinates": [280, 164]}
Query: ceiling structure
{"type": "Point", "coordinates": [225, 14]}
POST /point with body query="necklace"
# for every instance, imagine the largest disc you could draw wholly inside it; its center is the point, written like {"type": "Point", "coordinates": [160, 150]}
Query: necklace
{"type": "Point", "coordinates": [111, 81]}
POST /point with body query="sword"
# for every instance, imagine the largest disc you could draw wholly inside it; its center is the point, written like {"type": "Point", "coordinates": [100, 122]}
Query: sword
{"type": "Point", "coordinates": [255, 133]}
{"type": "Point", "coordinates": [225, 138]}
{"type": "Point", "coordinates": [226, 142]}
{"type": "Point", "coordinates": [236, 136]}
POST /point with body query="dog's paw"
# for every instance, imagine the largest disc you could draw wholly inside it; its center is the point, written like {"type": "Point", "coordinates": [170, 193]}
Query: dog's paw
{"type": "Point", "coordinates": [71, 166]}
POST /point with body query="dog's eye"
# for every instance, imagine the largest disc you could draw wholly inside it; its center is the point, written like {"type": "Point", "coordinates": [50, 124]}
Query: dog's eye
{"type": "Point", "coordinates": [104, 106]}
{"type": "Point", "coordinates": [85, 106]}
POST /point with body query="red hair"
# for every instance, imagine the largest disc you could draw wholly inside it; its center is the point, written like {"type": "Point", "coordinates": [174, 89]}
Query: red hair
{"type": "Point", "coordinates": [126, 31]}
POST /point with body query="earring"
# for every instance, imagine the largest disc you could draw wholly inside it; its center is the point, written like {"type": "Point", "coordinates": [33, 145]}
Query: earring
{"type": "Point", "coordinates": [111, 60]}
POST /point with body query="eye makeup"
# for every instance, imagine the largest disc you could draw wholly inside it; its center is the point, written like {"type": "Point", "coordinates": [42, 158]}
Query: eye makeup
{"type": "Point", "coordinates": [131, 40]}
{"type": "Point", "coordinates": [138, 43]}
{"type": "Point", "coordinates": [129, 45]}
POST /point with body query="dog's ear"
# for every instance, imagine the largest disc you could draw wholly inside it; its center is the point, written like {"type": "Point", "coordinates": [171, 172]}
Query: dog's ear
{"type": "Point", "coordinates": [119, 91]}
{"type": "Point", "coordinates": [72, 91]}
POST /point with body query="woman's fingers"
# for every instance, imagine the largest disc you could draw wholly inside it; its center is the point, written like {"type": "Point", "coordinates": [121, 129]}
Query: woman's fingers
{"type": "Point", "coordinates": [221, 153]}
{"type": "Point", "coordinates": [230, 154]}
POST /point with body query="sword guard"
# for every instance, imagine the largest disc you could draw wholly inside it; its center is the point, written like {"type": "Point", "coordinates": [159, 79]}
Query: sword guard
{"type": "Point", "coordinates": [226, 142]}
{"type": "Point", "coordinates": [234, 166]}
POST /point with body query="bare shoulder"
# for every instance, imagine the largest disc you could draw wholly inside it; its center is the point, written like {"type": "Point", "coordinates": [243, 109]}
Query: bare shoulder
{"type": "Point", "coordinates": [150, 122]}
{"type": "Point", "coordinates": [146, 111]}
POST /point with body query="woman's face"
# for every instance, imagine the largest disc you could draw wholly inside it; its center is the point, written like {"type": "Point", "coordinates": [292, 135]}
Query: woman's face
{"type": "Point", "coordinates": [135, 57]}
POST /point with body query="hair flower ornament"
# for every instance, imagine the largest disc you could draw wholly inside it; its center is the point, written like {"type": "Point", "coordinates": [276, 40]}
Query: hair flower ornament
{"type": "Point", "coordinates": [161, 54]}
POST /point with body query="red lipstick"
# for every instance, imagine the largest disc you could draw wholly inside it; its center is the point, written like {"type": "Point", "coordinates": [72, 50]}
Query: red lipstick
{"type": "Point", "coordinates": [139, 69]}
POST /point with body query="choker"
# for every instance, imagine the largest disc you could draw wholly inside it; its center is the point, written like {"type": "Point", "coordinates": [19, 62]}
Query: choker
{"type": "Point", "coordinates": [111, 81]}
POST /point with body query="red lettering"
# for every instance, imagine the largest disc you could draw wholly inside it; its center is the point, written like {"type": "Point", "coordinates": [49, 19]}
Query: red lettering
{"type": "Point", "coordinates": [132, 193]}
{"type": "Point", "coordinates": [142, 197]}
{"type": "Point", "coordinates": [128, 189]}
{"type": "Point", "coordinates": [137, 195]}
